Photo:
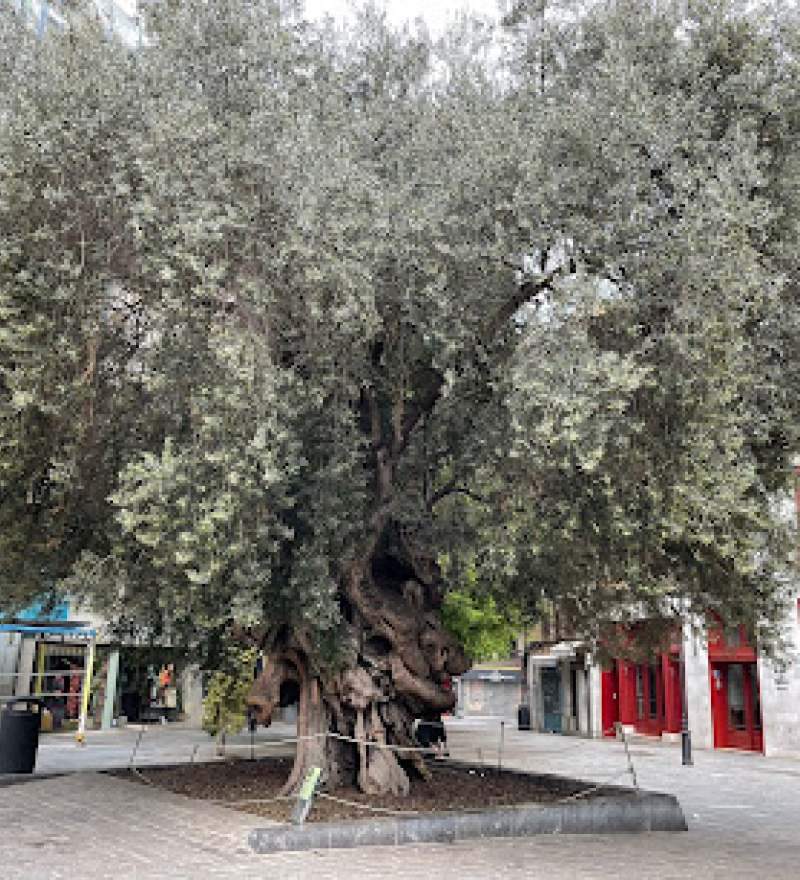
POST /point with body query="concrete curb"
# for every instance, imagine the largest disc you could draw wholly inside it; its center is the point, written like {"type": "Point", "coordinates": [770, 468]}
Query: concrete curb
{"type": "Point", "coordinates": [646, 811]}
{"type": "Point", "coordinates": [7, 779]}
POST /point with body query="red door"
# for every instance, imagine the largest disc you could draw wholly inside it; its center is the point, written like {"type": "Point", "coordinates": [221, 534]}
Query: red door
{"type": "Point", "coordinates": [610, 697]}
{"type": "Point", "coordinates": [736, 706]}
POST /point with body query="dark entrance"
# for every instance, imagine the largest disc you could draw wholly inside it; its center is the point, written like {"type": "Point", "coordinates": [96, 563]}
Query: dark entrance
{"type": "Point", "coordinates": [551, 697]}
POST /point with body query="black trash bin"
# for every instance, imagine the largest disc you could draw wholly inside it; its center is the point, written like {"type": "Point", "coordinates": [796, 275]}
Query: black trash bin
{"type": "Point", "coordinates": [524, 717]}
{"type": "Point", "coordinates": [20, 719]}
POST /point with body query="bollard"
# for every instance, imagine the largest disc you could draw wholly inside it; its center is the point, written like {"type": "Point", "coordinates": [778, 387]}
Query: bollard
{"type": "Point", "coordinates": [686, 747]}
{"type": "Point", "coordinates": [252, 724]}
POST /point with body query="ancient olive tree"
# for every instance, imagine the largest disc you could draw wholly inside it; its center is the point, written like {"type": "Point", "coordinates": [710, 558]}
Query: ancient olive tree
{"type": "Point", "coordinates": [291, 317]}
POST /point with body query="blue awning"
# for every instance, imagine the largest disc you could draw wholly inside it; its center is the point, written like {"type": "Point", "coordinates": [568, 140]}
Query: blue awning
{"type": "Point", "coordinates": [82, 632]}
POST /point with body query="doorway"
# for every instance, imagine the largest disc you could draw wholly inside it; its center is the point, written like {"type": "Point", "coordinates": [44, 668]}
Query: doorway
{"type": "Point", "coordinates": [736, 706]}
{"type": "Point", "coordinates": [551, 698]}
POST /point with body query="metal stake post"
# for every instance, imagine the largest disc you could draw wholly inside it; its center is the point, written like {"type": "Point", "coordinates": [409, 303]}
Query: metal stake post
{"type": "Point", "coordinates": [80, 736]}
{"type": "Point", "coordinates": [686, 736]}
{"type": "Point", "coordinates": [500, 746]}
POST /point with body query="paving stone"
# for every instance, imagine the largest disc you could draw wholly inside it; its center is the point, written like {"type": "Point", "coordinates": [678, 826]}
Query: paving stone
{"type": "Point", "coordinates": [743, 812]}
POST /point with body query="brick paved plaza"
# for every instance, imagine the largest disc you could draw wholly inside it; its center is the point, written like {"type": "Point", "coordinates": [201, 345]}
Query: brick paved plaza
{"type": "Point", "coordinates": [743, 812]}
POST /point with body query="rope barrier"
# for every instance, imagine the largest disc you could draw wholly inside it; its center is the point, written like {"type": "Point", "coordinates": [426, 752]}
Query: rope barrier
{"type": "Point", "coordinates": [389, 810]}
{"type": "Point", "coordinates": [441, 765]}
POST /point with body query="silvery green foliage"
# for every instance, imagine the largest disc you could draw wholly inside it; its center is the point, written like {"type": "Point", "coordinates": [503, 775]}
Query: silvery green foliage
{"type": "Point", "coordinates": [555, 265]}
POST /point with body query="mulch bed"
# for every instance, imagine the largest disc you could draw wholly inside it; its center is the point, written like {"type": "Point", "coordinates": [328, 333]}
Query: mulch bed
{"type": "Point", "coordinates": [452, 788]}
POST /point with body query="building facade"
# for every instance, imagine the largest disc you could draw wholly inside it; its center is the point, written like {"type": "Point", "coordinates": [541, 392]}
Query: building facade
{"type": "Point", "coordinates": [87, 679]}
{"type": "Point", "coordinates": [729, 694]}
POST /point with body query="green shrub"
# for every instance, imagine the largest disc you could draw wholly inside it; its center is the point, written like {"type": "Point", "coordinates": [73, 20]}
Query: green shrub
{"type": "Point", "coordinates": [225, 707]}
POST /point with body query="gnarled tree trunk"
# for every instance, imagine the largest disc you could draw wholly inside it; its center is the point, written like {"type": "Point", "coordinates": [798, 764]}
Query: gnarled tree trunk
{"type": "Point", "coordinates": [400, 660]}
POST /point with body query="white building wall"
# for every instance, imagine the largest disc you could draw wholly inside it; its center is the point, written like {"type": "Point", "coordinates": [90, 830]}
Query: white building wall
{"type": "Point", "coordinates": [595, 700]}
{"type": "Point", "coordinates": [9, 655]}
{"type": "Point", "coordinates": [698, 688]}
{"type": "Point", "coordinates": [582, 697]}
{"type": "Point", "coordinates": [27, 656]}
{"type": "Point", "coordinates": [780, 694]}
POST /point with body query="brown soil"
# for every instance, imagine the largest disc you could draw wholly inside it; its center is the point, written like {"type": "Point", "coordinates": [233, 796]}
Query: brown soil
{"type": "Point", "coordinates": [452, 787]}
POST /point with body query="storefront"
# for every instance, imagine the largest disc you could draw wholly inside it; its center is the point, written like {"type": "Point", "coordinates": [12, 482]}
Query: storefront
{"type": "Point", "coordinates": [735, 691]}
{"type": "Point", "coordinates": [644, 697]}
{"type": "Point", "coordinates": [490, 689]}
{"type": "Point", "coordinates": [52, 661]}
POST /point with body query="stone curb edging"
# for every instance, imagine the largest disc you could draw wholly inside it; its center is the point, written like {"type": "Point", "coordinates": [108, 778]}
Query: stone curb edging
{"type": "Point", "coordinates": [7, 779]}
{"type": "Point", "coordinates": [647, 811]}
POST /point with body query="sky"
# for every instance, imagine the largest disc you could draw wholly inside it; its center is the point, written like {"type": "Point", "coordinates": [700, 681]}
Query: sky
{"type": "Point", "coordinates": [435, 12]}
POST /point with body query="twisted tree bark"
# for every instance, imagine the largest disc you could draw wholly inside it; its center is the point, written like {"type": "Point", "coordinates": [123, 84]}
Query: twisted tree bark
{"type": "Point", "coordinates": [399, 667]}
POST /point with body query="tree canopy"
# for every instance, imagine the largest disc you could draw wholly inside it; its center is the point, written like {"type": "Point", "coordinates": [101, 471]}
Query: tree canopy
{"type": "Point", "coordinates": [274, 296]}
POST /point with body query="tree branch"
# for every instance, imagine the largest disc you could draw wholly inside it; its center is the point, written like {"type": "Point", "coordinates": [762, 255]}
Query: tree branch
{"type": "Point", "coordinates": [431, 384]}
{"type": "Point", "coordinates": [526, 292]}
{"type": "Point", "coordinates": [452, 488]}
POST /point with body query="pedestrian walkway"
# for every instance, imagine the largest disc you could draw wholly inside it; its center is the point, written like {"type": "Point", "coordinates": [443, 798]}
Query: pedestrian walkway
{"type": "Point", "coordinates": [150, 744]}
{"type": "Point", "coordinates": [743, 812]}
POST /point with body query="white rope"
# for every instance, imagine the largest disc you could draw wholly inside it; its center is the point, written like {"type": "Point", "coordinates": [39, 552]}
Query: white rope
{"type": "Point", "coordinates": [338, 800]}
{"type": "Point", "coordinates": [378, 745]}
{"type": "Point", "coordinates": [271, 800]}
{"type": "Point", "coordinates": [597, 787]}
{"type": "Point", "coordinates": [390, 747]}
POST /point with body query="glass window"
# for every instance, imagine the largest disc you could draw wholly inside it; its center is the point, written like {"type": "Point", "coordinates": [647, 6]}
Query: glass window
{"type": "Point", "coordinates": [736, 714]}
{"type": "Point", "coordinates": [652, 680]}
{"type": "Point", "coordinates": [639, 693]}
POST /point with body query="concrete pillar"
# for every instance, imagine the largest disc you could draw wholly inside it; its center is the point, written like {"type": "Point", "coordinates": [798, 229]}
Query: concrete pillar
{"type": "Point", "coordinates": [535, 695]}
{"type": "Point", "coordinates": [111, 689]}
{"type": "Point", "coordinates": [9, 655]}
{"type": "Point", "coordinates": [27, 657]}
{"type": "Point", "coordinates": [595, 684]}
{"type": "Point", "coordinates": [698, 687]}
{"type": "Point", "coordinates": [583, 701]}
{"type": "Point", "coordinates": [192, 695]}
{"type": "Point", "coordinates": [567, 722]}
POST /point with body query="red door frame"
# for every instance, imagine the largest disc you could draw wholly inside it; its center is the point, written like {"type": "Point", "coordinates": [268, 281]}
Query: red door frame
{"type": "Point", "coordinates": [610, 699]}
{"type": "Point", "coordinates": [723, 654]}
{"type": "Point", "coordinates": [750, 739]}
{"type": "Point", "coordinates": [619, 696]}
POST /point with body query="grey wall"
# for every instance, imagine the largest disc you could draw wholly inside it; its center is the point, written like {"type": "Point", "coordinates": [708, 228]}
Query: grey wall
{"type": "Point", "coordinates": [780, 694]}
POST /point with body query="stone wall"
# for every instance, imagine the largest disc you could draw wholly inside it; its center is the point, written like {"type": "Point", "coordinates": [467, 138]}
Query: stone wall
{"type": "Point", "coordinates": [780, 693]}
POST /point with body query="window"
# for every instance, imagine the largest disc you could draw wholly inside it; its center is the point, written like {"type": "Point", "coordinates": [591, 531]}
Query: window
{"type": "Point", "coordinates": [652, 680]}
{"type": "Point", "coordinates": [639, 693]}
{"type": "Point", "coordinates": [736, 713]}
